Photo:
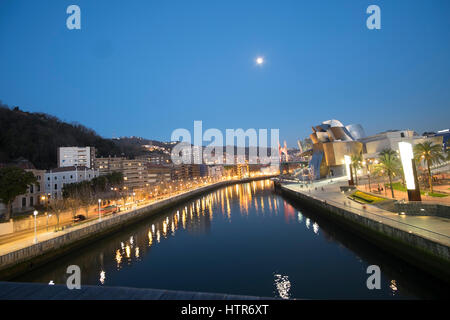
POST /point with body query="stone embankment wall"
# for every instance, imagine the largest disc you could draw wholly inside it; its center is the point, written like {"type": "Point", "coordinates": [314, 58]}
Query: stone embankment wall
{"type": "Point", "coordinates": [423, 209]}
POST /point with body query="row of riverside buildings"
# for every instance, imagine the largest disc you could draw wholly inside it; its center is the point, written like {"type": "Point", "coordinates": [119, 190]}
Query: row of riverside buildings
{"type": "Point", "coordinates": [76, 164]}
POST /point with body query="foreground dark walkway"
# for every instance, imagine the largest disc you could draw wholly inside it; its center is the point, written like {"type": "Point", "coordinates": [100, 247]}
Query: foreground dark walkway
{"type": "Point", "coordinates": [40, 291]}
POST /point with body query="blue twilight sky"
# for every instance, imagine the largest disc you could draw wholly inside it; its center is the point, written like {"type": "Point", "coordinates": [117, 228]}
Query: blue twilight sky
{"type": "Point", "coordinates": [145, 68]}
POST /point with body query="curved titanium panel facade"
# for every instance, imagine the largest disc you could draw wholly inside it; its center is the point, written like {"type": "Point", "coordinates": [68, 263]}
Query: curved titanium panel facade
{"type": "Point", "coordinates": [356, 130]}
{"type": "Point", "coordinates": [341, 133]}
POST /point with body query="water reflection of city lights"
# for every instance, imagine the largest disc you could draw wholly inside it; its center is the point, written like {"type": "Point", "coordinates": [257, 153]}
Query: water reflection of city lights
{"type": "Point", "coordinates": [316, 228]}
{"type": "Point", "coordinates": [118, 257]}
{"type": "Point", "coordinates": [150, 238]}
{"type": "Point", "coordinates": [218, 206]}
{"type": "Point", "coordinates": [136, 252]}
{"type": "Point", "coordinates": [222, 202]}
{"type": "Point", "coordinates": [193, 212]}
{"type": "Point", "coordinates": [289, 212]}
{"type": "Point", "coordinates": [283, 286]}
{"type": "Point", "coordinates": [102, 277]}
{"type": "Point", "coordinates": [164, 228]}
{"type": "Point", "coordinates": [393, 287]}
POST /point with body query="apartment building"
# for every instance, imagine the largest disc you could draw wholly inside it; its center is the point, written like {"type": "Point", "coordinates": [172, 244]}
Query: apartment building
{"type": "Point", "coordinates": [189, 171]}
{"type": "Point", "coordinates": [76, 156]}
{"type": "Point", "coordinates": [56, 179]}
{"type": "Point", "coordinates": [156, 158]}
{"type": "Point", "coordinates": [109, 164]}
{"type": "Point", "coordinates": [134, 173]}
{"type": "Point", "coordinates": [157, 174]}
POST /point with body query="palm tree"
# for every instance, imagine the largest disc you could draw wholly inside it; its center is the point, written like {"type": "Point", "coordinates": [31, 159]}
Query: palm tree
{"type": "Point", "coordinates": [356, 164]}
{"type": "Point", "coordinates": [430, 154]}
{"type": "Point", "coordinates": [388, 163]}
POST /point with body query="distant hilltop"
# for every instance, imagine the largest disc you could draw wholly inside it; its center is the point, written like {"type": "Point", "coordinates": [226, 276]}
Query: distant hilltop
{"type": "Point", "coordinates": [36, 137]}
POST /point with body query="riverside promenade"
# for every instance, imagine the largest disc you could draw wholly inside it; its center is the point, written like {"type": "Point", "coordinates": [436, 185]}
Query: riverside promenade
{"type": "Point", "coordinates": [423, 241]}
{"type": "Point", "coordinates": [23, 254]}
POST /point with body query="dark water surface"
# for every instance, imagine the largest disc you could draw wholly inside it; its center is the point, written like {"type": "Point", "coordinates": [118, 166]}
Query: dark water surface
{"type": "Point", "coordinates": [242, 239]}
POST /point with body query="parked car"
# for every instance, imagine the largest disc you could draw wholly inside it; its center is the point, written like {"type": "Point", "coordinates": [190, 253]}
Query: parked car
{"type": "Point", "coordinates": [109, 209]}
{"type": "Point", "coordinates": [79, 218]}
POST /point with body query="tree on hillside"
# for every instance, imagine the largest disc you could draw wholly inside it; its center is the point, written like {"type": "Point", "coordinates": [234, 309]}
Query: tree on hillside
{"type": "Point", "coordinates": [430, 154]}
{"type": "Point", "coordinates": [14, 181]}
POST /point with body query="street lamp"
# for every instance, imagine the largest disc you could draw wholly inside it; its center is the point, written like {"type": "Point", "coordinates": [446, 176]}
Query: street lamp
{"type": "Point", "coordinates": [99, 212]}
{"type": "Point", "coordinates": [409, 169]}
{"type": "Point", "coordinates": [348, 161]}
{"type": "Point", "coordinates": [35, 213]}
{"type": "Point", "coordinates": [48, 216]}
{"type": "Point", "coordinates": [43, 200]}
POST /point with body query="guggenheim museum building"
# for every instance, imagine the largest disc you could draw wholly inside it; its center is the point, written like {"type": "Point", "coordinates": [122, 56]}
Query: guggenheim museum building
{"type": "Point", "coordinates": [332, 140]}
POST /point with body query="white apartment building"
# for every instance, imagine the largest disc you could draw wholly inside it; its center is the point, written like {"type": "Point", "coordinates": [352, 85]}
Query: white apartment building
{"type": "Point", "coordinates": [56, 179]}
{"type": "Point", "coordinates": [76, 156]}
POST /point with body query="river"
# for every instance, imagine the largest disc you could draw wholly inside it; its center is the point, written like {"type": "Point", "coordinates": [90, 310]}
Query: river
{"type": "Point", "coordinates": [241, 239]}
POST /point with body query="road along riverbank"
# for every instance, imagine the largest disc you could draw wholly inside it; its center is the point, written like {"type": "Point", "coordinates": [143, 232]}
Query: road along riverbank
{"type": "Point", "coordinates": [30, 256]}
